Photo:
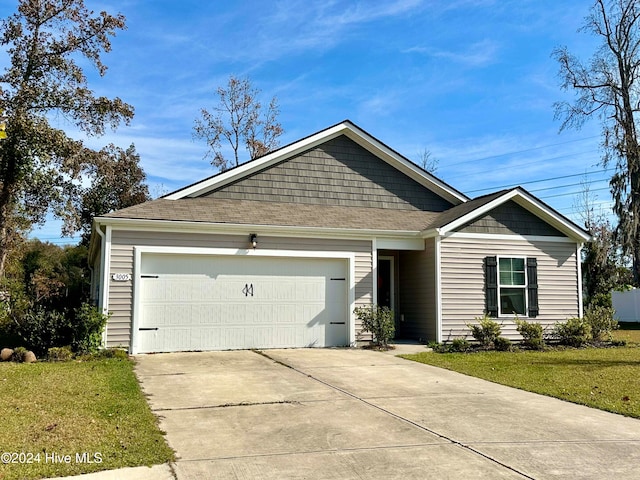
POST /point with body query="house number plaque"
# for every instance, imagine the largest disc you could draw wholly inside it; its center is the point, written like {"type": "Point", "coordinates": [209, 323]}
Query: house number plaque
{"type": "Point", "coordinates": [121, 277]}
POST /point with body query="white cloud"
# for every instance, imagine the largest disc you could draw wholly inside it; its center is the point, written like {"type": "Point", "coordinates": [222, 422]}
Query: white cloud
{"type": "Point", "coordinates": [478, 54]}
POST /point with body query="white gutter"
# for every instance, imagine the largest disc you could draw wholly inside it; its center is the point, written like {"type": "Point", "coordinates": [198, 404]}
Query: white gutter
{"type": "Point", "coordinates": [209, 227]}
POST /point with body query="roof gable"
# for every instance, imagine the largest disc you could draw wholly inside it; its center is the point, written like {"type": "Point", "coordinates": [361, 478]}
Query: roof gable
{"type": "Point", "coordinates": [462, 216]}
{"type": "Point", "coordinates": [338, 172]}
{"type": "Point", "coordinates": [511, 219]}
{"type": "Point", "coordinates": [346, 128]}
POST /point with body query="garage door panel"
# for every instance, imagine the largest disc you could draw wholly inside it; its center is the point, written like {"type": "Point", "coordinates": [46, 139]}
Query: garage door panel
{"type": "Point", "coordinates": [199, 302]}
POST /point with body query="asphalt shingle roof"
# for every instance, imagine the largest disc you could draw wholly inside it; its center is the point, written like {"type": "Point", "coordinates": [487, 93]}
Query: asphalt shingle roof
{"type": "Point", "coordinates": [248, 212]}
{"type": "Point", "coordinates": [463, 209]}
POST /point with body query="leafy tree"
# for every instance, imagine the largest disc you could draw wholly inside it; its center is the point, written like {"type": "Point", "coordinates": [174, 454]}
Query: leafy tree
{"type": "Point", "coordinates": [603, 265]}
{"type": "Point", "coordinates": [239, 121]}
{"type": "Point", "coordinates": [608, 87]}
{"type": "Point", "coordinates": [117, 181]}
{"type": "Point", "coordinates": [53, 276]}
{"type": "Point", "coordinates": [40, 165]}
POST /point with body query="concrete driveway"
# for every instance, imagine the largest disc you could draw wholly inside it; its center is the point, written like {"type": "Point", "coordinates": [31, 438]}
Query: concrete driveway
{"type": "Point", "coordinates": [356, 414]}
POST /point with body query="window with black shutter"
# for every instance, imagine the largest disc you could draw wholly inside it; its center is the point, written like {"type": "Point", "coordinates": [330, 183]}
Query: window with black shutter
{"type": "Point", "coordinates": [511, 286]}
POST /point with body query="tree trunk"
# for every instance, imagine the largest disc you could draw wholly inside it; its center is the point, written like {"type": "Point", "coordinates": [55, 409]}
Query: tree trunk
{"type": "Point", "coordinates": [7, 197]}
{"type": "Point", "coordinates": [4, 234]}
{"type": "Point", "coordinates": [635, 221]}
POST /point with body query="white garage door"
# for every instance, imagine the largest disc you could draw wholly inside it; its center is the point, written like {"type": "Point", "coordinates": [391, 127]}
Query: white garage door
{"type": "Point", "coordinates": [198, 302]}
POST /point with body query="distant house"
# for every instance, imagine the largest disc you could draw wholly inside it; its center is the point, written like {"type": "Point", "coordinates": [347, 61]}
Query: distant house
{"type": "Point", "coordinates": [279, 251]}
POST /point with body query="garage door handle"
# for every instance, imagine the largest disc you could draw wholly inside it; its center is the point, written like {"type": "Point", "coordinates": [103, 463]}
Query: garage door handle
{"type": "Point", "coordinates": [336, 323]}
{"type": "Point", "coordinates": [148, 276]}
{"type": "Point", "coordinates": [343, 279]}
{"type": "Point", "coordinates": [148, 328]}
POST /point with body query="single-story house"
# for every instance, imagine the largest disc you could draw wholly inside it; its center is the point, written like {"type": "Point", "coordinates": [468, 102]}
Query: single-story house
{"type": "Point", "coordinates": [278, 252]}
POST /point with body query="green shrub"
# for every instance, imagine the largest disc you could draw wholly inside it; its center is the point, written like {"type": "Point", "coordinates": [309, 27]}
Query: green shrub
{"type": "Point", "coordinates": [378, 321]}
{"type": "Point", "coordinates": [116, 353]}
{"type": "Point", "coordinates": [59, 354]}
{"type": "Point", "coordinates": [87, 330]}
{"type": "Point", "coordinates": [433, 344]}
{"type": "Point", "coordinates": [601, 300]}
{"type": "Point", "coordinates": [42, 329]}
{"type": "Point", "coordinates": [575, 332]}
{"type": "Point", "coordinates": [601, 321]}
{"type": "Point", "coordinates": [459, 345]}
{"type": "Point", "coordinates": [502, 344]}
{"type": "Point", "coordinates": [486, 331]}
{"type": "Point", "coordinates": [19, 354]}
{"type": "Point", "coordinates": [532, 333]}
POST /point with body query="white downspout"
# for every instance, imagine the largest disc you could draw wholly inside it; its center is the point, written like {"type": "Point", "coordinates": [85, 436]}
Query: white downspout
{"type": "Point", "coordinates": [580, 299]}
{"type": "Point", "coordinates": [438, 262]}
{"type": "Point", "coordinates": [105, 267]}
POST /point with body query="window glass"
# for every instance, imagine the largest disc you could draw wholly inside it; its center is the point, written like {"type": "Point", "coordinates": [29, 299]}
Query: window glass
{"type": "Point", "coordinates": [512, 301]}
{"type": "Point", "coordinates": [512, 271]}
{"type": "Point", "coordinates": [512, 282]}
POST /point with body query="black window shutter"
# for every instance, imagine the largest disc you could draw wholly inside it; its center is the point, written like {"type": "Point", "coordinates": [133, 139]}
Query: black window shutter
{"type": "Point", "coordinates": [491, 285]}
{"type": "Point", "coordinates": [532, 282]}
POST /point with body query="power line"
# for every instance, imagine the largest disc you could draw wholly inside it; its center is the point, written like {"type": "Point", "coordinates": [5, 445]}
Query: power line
{"type": "Point", "coordinates": [573, 193]}
{"type": "Point", "coordinates": [521, 151]}
{"type": "Point", "coordinates": [558, 186]}
{"type": "Point", "coordinates": [511, 185]}
{"type": "Point", "coordinates": [544, 160]}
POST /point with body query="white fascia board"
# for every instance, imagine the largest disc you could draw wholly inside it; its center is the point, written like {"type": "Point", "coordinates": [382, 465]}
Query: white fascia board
{"type": "Point", "coordinates": [250, 167]}
{"type": "Point", "coordinates": [528, 203]}
{"type": "Point", "coordinates": [273, 230]}
{"type": "Point", "coordinates": [402, 164]}
{"type": "Point", "coordinates": [551, 217]}
{"type": "Point", "coordinates": [363, 139]}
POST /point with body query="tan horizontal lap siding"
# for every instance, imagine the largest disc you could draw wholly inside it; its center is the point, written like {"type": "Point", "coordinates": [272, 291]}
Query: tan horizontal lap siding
{"type": "Point", "coordinates": [123, 242]}
{"type": "Point", "coordinates": [418, 293]}
{"type": "Point", "coordinates": [120, 295]}
{"type": "Point", "coordinates": [462, 281]}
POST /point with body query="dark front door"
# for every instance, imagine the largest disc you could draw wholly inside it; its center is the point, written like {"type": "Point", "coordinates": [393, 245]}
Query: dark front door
{"type": "Point", "coordinates": [385, 282]}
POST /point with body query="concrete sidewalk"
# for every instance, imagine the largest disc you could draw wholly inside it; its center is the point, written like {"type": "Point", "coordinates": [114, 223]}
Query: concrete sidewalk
{"type": "Point", "coordinates": [358, 414]}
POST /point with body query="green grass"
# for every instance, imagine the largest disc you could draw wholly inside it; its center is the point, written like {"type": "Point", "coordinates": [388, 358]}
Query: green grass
{"type": "Point", "coordinates": [604, 378]}
{"type": "Point", "coordinates": [630, 332]}
{"type": "Point", "coordinates": [74, 407]}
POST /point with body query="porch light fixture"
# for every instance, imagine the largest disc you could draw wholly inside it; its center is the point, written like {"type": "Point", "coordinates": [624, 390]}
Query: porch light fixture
{"type": "Point", "coordinates": [253, 239]}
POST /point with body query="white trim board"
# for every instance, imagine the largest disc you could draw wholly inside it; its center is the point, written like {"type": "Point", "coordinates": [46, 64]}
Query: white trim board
{"type": "Point", "coordinates": [132, 224]}
{"type": "Point", "coordinates": [500, 236]}
{"type": "Point", "coordinates": [346, 128]}
{"type": "Point", "coordinates": [298, 254]}
{"type": "Point", "coordinates": [526, 201]}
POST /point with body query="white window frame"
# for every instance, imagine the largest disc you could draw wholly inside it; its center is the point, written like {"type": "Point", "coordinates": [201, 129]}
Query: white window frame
{"type": "Point", "coordinates": [524, 287]}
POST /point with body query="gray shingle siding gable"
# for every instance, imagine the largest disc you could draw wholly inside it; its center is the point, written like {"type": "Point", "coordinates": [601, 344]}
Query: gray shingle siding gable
{"type": "Point", "coordinates": [511, 219]}
{"type": "Point", "coordinates": [338, 172]}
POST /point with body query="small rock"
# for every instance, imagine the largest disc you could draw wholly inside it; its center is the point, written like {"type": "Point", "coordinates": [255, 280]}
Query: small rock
{"type": "Point", "coordinates": [29, 357]}
{"type": "Point", "coordinates": [6, 354]}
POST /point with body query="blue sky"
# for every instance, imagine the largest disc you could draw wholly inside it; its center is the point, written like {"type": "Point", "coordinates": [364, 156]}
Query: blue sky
{"type": "Point", "coordinates": [472, 81]}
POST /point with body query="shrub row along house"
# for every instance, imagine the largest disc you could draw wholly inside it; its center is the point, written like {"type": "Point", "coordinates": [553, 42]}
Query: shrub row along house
{"type": "Point", "coordinates": [279, 251]}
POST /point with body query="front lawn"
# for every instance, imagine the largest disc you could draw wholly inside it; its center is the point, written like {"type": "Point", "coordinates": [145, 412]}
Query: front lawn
{"type": "Point", "coordinates": [604, 378]}
{"type": "Point", "coordinates": [629, 332]}
{"type": "Point", "coordinates": [68, 418]}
